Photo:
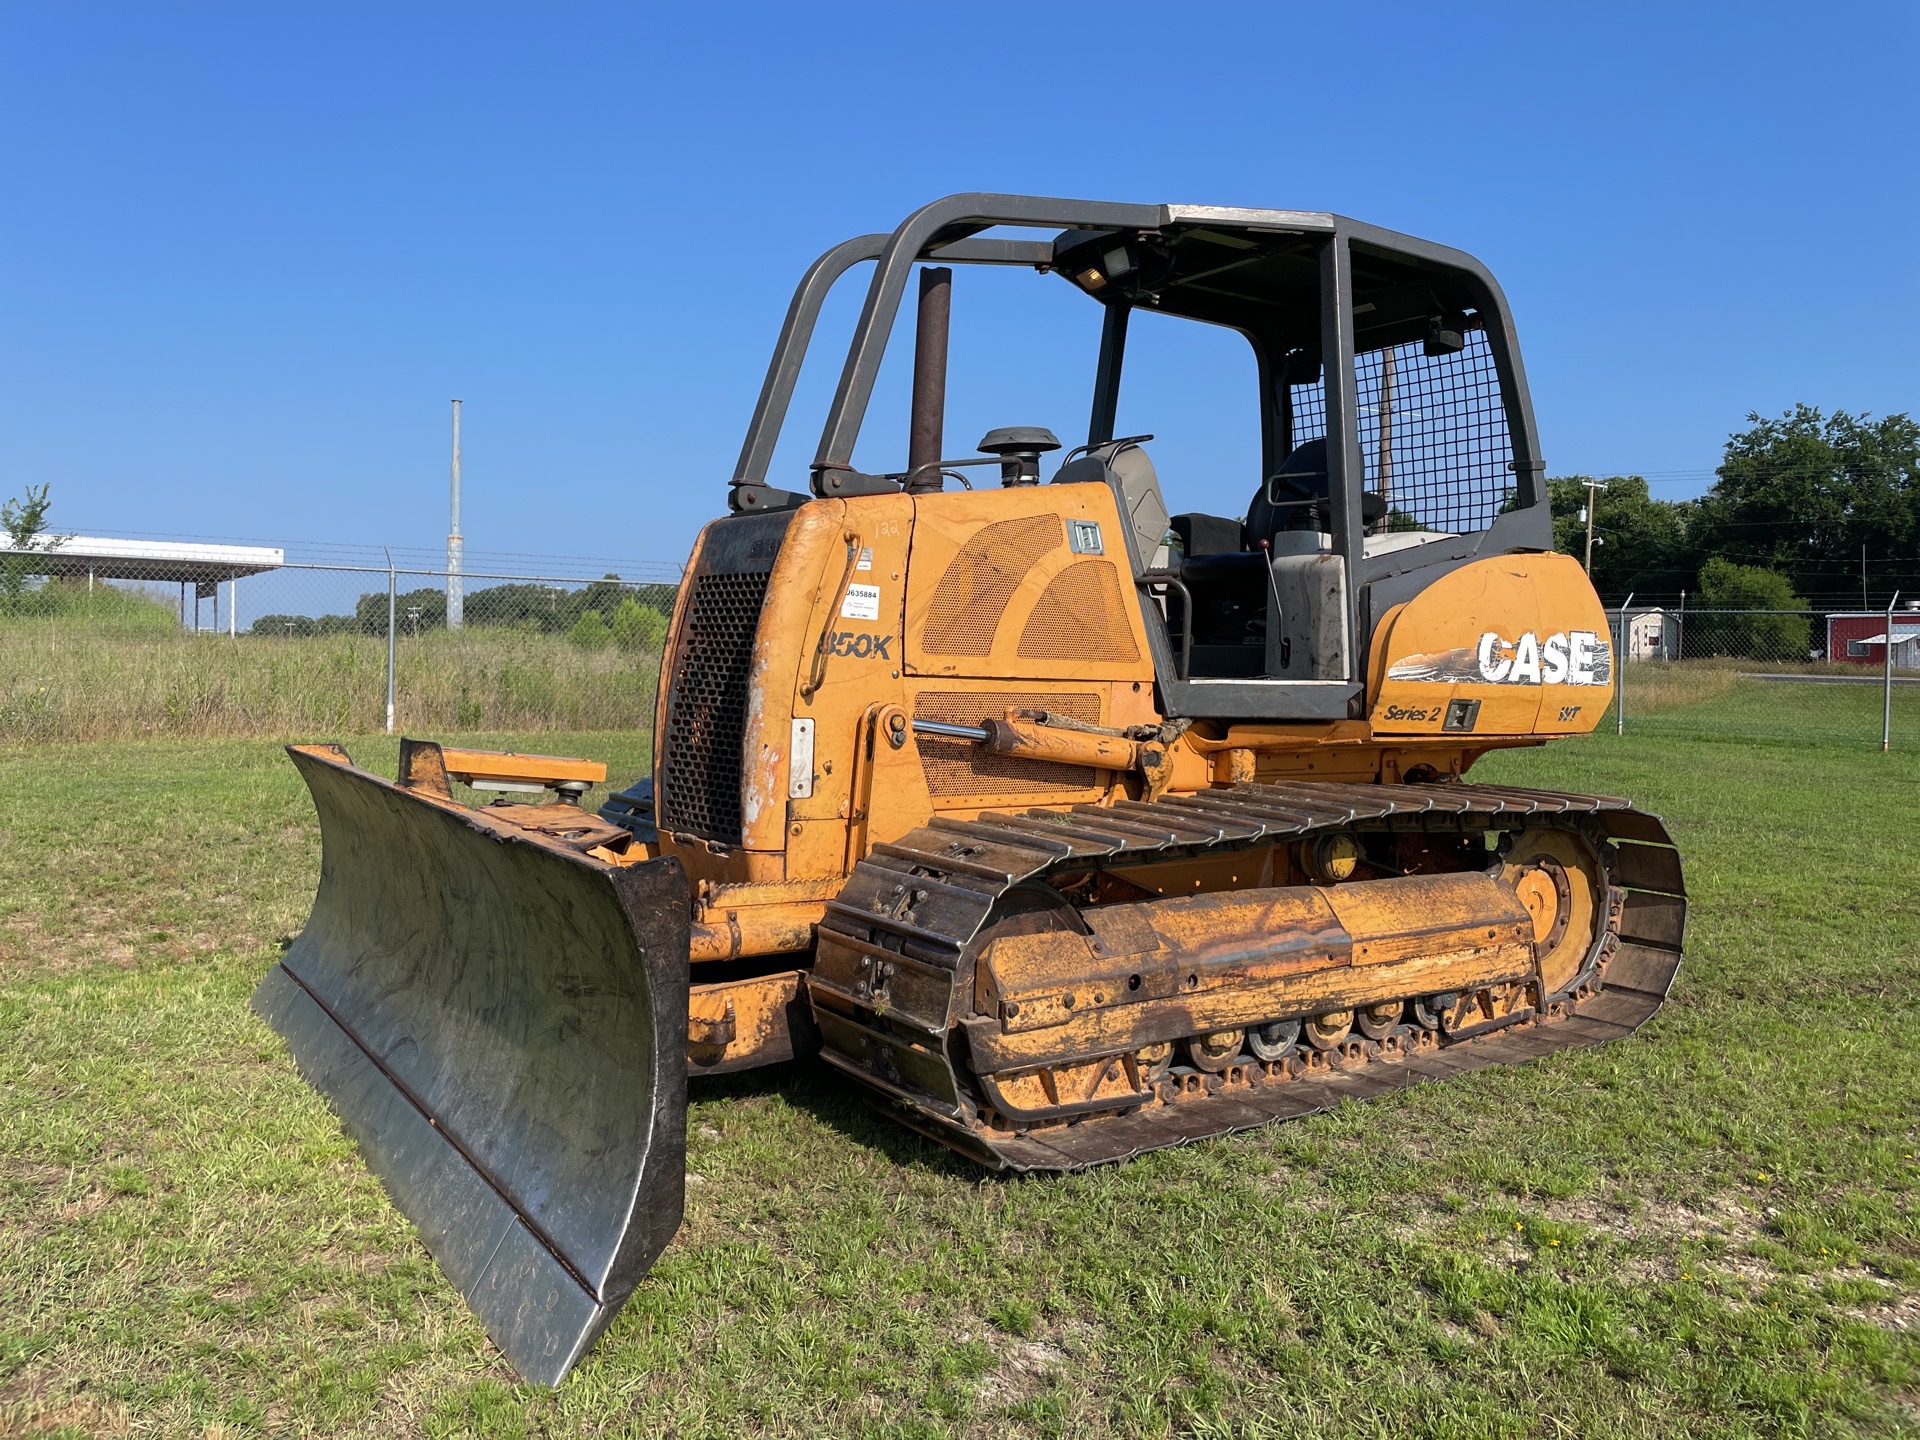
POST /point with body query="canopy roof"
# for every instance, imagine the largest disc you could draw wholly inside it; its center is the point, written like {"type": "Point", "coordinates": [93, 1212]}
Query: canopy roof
{"type": "Point", "coordinates": [163, 560]}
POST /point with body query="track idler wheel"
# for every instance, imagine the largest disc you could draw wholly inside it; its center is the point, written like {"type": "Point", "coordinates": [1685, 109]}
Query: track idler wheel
{"type": "Point", "coordinates": [1214, 1053]}
{"type": "Point", "coordinates": [1376, 1022]}
{"type": "Point", "coordinates": [1275, 1041]}
{"type": "Point", "coordinates": [1325, 1032]}
{"type": "Point", "coordinates": [1557, 877]}
{"type": "Point", "coordinates": [1153, 1062]}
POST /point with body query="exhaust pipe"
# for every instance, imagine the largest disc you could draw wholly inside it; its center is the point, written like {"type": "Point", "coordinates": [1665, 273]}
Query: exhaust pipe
{"type": "Point", "coordinates": [929, 380]}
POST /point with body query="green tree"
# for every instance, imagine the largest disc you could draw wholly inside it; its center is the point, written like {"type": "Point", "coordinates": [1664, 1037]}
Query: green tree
{"type": "Point", "coordinates": [590, 632]}
{"type": "Point", "coordinates": [302, 627]}
{"type": "Point", "coordinates": [370, 614]}
{"type": "Point", "coordinates": [24, 519]}
{"type": "Point", "coordinates": [1802, 494]}
{"type": "Point", "coordinates": [1641, 544]}
{"type": "Point", "coordinates": [637, 627]}
{"type": "Point", "coordinates": [1727, 586]}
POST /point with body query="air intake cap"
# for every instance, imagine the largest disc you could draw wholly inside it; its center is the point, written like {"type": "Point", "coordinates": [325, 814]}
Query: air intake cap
{"type": "Point", "coordinates": [1019, 448]}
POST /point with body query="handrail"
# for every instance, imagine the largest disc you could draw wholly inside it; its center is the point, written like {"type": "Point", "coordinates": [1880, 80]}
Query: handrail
{"type": "Point", "coordinates": [1171, 579]}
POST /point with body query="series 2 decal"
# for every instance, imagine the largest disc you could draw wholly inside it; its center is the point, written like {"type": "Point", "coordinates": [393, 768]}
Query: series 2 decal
{"type": "Point", "coordinates": [1577, 657]}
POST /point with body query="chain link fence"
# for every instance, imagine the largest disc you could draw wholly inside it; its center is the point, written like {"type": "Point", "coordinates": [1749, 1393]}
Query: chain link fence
{"type": "Point", "coordinates": [1848, 677]}
{"type": "Point", "coordinates": [312, 650]}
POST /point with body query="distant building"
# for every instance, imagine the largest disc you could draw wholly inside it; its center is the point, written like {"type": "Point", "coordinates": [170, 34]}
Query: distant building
{"type": "Point", "coordinates": [167, 562]}
{"type": "Point", "coordinates": [1861, 636]}
{"type": "Point", "coordinates": [1651, 636]}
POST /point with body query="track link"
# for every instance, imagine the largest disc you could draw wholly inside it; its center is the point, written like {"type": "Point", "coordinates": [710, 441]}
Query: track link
{"type": "Point", "coordinates": [893, 951]}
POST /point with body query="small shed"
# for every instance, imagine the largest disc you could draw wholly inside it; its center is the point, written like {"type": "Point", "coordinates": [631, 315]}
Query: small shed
{"type": "Point", "coordinates": [1861, 636]}
{"type": "Point", "coordinates": [1649, 636]}
{"type": "Point", "coordinates": [166, 562]}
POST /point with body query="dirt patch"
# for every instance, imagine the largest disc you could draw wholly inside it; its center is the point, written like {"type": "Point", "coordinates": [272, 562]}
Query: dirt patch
{"type": "Point", "coordinates": [1733, 1225]}
{"type": "Point", "coordinates": [44, 1417]}
{"type": "Point", "coordinates": [29, 947]}
{"type": "Point", "coordinates": [1724, 1219]}
{"type": "Point", "coordinates": [1900, 1310]}
{"type": "Point", "coordinates": [1025, 1368]}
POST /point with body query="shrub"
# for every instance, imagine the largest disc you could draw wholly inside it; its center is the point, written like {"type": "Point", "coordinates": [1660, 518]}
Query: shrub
{"type": "Point", "coordinates": [590, 632]}
{"type": "Point", "coordinates": [1726, 586]}
{"type": "Point", "coordinates": [637, 627]}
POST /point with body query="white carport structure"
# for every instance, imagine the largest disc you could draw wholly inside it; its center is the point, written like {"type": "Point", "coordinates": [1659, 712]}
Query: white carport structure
{"type": "Point", "coordinates": [1906, 644]}
{"type": "Point", "coordinates": [182, 563]}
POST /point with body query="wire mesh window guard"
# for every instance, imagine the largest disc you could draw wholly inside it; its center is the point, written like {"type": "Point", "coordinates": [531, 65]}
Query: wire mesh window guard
{"type": "Point", "coordinates": [1433, 433]}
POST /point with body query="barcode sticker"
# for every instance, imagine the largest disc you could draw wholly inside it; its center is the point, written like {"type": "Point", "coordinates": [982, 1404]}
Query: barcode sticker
{"type": "Point", "coordinates": [862, 603]}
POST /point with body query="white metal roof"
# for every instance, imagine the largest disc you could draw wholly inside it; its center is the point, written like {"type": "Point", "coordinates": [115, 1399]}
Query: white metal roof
{"type": "Point", "coordinates": [168, 560]}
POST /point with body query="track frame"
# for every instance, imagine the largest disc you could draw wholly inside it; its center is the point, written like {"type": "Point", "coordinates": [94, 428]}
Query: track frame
{"type": "Point", "coordinates": [892, 983]}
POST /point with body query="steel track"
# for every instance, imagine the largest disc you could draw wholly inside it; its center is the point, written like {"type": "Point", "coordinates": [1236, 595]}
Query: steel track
{"type": "Point", "coordinates": [892, 956]}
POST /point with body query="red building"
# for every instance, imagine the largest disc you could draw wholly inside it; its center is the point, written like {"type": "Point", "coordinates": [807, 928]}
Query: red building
{"type": "Point", "coordinates": [1861, 637]}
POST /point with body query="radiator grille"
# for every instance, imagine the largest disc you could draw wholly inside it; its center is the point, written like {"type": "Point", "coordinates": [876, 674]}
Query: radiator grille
{"type": "Point", "coordinates": [1081, 617]}
{"type": "Point", "coordinates": [973, 594]}
{"type": "Point", "coordinates": [959, 767]}
{"type": "Point", "coordinates": [707, 706]}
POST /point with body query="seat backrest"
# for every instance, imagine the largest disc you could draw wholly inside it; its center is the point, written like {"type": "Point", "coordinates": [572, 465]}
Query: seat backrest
{"type": "Point", "coordinates": [1208, 534]}
{"type": "Point", "coordinates": [1295, 497]}
{"type": "Point", "coordinates": [1124, 467]}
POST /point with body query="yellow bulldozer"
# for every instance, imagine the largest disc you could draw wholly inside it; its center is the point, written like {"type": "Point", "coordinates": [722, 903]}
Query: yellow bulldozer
{"type": "Point", "coordinates": [1063, 826]}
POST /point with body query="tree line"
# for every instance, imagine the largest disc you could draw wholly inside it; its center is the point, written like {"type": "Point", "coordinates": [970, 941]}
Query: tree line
{"type": "Point", "coordinates": [604, 613]}
{"type": "Point", "coordinates": [1796, 501]}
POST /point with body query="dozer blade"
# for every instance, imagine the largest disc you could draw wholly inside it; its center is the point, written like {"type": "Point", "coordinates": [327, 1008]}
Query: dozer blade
{"type": "Point", "coordinates": [502, 1025]}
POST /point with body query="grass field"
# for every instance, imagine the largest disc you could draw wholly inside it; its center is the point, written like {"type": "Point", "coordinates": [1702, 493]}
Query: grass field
{"type": "Point", "coordinates": [62, 681]}
{"type": "Point", "coordinates": [1709, 1229]}
{"type": "Point", "coordinates": [1729, 699]}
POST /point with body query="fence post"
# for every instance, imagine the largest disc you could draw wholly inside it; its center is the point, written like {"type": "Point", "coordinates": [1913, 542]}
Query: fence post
{"type": "Point", "coordinates": [1886, 701]}
{"type": "Point", "coordinates": [390, 599]}
{"type": "Point", "coordinates": [1620, 669]}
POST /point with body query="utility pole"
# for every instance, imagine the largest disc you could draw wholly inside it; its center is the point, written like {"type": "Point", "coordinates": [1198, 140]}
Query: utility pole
{"type": "Point", "coordinates": [1594, 487]}
{"type": "Point", "coordinates": [456, 547]}
{"type": "Point", "coordinates": [1383, 481]}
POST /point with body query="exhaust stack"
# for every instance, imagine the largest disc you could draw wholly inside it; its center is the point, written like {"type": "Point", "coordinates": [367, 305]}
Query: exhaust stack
{"type": "Point", "coordinates": [929, 379]}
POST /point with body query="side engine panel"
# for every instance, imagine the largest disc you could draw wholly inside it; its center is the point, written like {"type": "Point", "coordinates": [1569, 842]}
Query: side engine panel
{"type": "Point", "coordinates": [1514, 645]}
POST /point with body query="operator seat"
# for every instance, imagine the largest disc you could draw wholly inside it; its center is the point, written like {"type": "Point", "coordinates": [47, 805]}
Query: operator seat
{"type": "Point", "coordinates": [1295, 497]}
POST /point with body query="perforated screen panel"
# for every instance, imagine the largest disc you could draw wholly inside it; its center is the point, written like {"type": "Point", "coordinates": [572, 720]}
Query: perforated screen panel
{"type": "Point", "coordinates": [1433, 434]}
{"type": "Point", "coordinates": [1081, 617]}
{"type": "Point", "coordinates": [973, 594]}
{"type": "Point", "coordinates": [707, 706]}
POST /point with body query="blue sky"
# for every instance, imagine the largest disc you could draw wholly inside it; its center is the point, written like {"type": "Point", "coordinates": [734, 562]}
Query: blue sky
{"type": "Point", "coordinates": [248, 252]}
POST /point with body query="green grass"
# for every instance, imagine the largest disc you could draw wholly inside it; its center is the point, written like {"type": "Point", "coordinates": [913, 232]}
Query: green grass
{"type": "Point", "coordinates": [93, 678]}
{"type": "Point", "coordinates": [1708, 1229]}
{"type": "Point", "coordinates": [1708, 700]}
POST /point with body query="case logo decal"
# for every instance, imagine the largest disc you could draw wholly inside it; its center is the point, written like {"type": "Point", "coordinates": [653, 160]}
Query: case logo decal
{"type": "Point", "coordinates": [1576, 657]}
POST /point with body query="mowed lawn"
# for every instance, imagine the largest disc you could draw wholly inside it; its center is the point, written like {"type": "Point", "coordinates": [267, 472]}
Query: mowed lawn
{"type": "Point", "coordinates": [1706, 1230]}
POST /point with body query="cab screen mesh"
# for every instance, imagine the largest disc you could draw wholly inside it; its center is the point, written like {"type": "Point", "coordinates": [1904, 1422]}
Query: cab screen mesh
{"type": "Point", "coordinates": [1433, 434]}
